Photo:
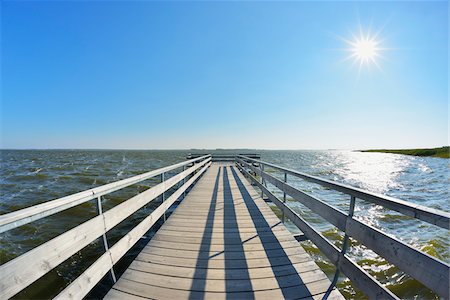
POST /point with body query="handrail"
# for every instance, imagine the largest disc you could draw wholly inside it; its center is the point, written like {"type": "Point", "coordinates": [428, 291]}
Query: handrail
{"type": "Point", "coordinates": [362, 279]}
{"type": "Point", "coordinates": [430, 215]}
{"type": "Point", "coordinates": [217, 156]}
{"type": "Point", "coordinates": [26, 215]}
{"type": "Point", "coordinates": [17, 274]}
{"type": "Point", "coordinates": [430, 271]}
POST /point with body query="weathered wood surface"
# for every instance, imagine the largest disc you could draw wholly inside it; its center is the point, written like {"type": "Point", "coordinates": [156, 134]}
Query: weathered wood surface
{"type": "Point", "coordinates": [222, 242]}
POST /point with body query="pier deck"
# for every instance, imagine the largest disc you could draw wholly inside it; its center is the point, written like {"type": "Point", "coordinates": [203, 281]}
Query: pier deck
{"type": "Point", "coordinates": [223, 241]}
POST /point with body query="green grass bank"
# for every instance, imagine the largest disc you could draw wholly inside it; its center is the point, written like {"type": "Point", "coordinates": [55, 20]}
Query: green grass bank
{"type": "Point", "coordinates": [443, 152]}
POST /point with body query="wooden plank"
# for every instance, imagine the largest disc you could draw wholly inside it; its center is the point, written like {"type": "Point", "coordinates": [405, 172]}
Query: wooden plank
{"type": "Point", "coordinates": [429, 270]}
{"type": "Point", "coordinates": [222, 274]}
{"type": "Point", "coordinates": [156, 292]}
{"type": "Point", "coordinates": [114, 294]}
{"type": "Point", "coordinates": [198, 214]}
{"type": "Point", "coordinates": [189, 229]}
{"type": "Point", "coordinates": [221, 254]}
{"type": "Point", "coordinates": [244, 216]}
{"type": "Point", "coordinates": [216, 263]}
{"type": "Point", "coordinates": [220, 217]}
{"type": "Point", "coordinates": [81, 286]}
{"type": "Point", "coordinates": [20, 272]}
{"type": "Point", "coordinates": [218, 248]}
{"type": "Point", "coordinates": [226, 223]}
{"type": "Point", "coordinates": [225, 234]}
{"type": "Point", "coordinates": [334, 295]}
{"type": "Point", "coordinates": [219, 285]}
{"type": "Point", "coordinates": [119, 295]}
{"type": "Point", "coordinates": [230, 241]}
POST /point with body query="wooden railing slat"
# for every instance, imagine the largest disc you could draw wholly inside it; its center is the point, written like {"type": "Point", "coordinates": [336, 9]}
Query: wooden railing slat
{"type": "Point", "coordinates": [432, 272]}
{"type": "Point", "coordinates": [20, 272]}
{"type": "Point", "coordinates": [427, 214]}
{"type": "Point", "coordinates": [27, 215]}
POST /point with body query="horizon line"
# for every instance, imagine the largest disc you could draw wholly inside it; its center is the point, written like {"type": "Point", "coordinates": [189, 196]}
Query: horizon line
{"type": "Point", "coordinates": [183, 149]}
{"type": "Point", "coordinates": [225, 149]}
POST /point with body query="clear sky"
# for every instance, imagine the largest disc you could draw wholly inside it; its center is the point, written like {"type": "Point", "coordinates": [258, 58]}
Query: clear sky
{"type": "Point", "coordinates": [274, 75]}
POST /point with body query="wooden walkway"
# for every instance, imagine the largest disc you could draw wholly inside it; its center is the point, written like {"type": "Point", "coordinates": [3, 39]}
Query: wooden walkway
{"type": "Point", "coordinates": [223, 242]}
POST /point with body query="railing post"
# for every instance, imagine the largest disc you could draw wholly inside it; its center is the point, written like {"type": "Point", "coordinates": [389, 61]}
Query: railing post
{"type": "Point", "coordinates": [163, 196]}
{"type": "Point", "coordinates": [349, 216]}
{"type": "Point", "coordinates": [105, 241]}
{"type": "Point", "coordinates": [262, 179]}
{"type": "Point", "coordinates": [284, 197]}
{"type": "Point", "coordinates": [344, 246]}
{"type": "Point", "coordinates": [184, 181]}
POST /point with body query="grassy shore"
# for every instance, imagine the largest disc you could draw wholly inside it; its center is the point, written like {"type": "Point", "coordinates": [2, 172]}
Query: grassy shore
{"type": "Point", "coordinates": [442, 152]}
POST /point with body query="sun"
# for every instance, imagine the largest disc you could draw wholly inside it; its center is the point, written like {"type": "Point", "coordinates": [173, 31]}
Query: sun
{"type": "Point", "coordinates": [365, 50]}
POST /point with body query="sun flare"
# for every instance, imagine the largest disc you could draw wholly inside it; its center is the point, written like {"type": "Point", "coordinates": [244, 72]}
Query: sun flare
{"type": "Point", "coordinates": [364, 49]}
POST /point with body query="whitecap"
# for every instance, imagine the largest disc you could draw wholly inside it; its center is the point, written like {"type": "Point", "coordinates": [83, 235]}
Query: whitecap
{"type": "Point", "coordinates": [37, 170]}
{"type": "Point", "coordinates": [424, 168]}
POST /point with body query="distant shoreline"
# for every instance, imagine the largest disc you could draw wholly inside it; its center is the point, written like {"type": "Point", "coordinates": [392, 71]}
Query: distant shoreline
{"type": "Point", "coordinates": [442, 152]}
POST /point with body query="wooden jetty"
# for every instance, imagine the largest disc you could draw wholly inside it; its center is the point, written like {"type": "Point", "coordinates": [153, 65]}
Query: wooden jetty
{"type": "Point", "coordinates": [222, 241]}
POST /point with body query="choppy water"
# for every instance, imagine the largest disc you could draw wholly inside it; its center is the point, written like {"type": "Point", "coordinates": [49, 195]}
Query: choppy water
{"type": "Point", "coordinates": [31, 177]}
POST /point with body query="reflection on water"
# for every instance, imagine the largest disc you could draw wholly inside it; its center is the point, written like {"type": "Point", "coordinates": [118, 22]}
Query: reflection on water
{"type": "Point", "coordinates": [376, 173]}
{"type": "Point", "coordinates": [31, 177]}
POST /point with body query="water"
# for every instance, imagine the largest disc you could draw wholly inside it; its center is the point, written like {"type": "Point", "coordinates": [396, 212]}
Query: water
{"type": "Point", "coordinates": [32, 176]}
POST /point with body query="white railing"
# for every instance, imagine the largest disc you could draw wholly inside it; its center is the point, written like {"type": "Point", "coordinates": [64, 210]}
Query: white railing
{"type": "Point", "coordinates": [429, 270]}
{"type": "Point", "coordinates": [17, 274]}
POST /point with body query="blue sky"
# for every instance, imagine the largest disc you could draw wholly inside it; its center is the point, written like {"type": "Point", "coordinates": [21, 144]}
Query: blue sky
{"type": "Point", "coordinates": [273, 75]}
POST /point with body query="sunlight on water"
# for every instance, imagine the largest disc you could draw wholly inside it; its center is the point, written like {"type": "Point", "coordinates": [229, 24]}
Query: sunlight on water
{"type": "Point", "coordinates": [376, 172]}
